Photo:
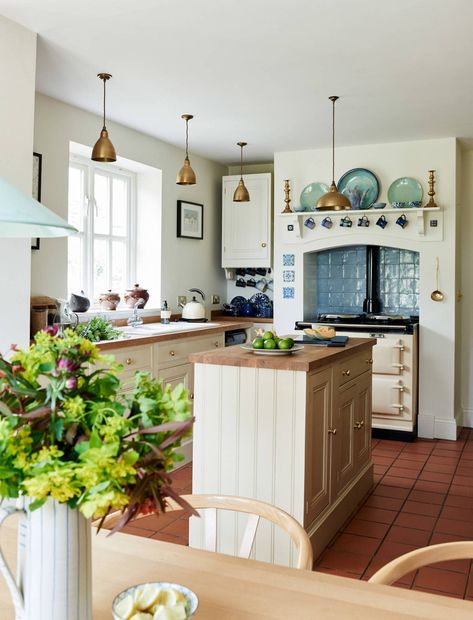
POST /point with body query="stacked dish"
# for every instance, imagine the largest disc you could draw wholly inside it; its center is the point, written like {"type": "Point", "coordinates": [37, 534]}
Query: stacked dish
{"type": "Point", "coordinates": [405, 193]}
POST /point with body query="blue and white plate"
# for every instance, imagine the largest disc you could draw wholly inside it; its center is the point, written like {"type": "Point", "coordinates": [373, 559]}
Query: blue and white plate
{"type": "Point", "coordinates": [264, 306]}
{"type": "Point", "coordinates": [360, 186]}
{"type": "Point", "coordinates": [238, 301]}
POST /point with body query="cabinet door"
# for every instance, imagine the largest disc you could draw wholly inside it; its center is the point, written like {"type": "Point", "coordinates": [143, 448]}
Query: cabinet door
{"type": "Point", "coordinates": [183, 373]}
{"type": "Point", "coordinates": [246, 226]}
{"type": "Point", "coordinates": [317, 445]}
{"type": "Point", "coordinates": [342, 433]}
{"type": "Point", "coordinates": [362, 430]}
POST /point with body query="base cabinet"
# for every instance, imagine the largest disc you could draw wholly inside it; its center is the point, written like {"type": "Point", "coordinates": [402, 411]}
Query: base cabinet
{"type": "Point", "coordinates": [295, 439]}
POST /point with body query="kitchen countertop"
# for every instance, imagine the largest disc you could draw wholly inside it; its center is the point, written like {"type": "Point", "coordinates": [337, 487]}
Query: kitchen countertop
{"type": "Point", "coordinates": [309, 359]}
{"type": "Point", "coordinates": [133, 341]}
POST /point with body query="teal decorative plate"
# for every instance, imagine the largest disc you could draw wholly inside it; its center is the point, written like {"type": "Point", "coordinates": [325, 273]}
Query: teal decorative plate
{"type": "Point", "coordinates": [311, 194]}
{"type": "Point", "coordinates": [360, 186]}
{"type": "Point", "coordinates": [404, 190]}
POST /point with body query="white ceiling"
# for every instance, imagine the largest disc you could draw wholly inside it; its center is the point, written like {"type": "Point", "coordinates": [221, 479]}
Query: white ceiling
{"type": "Point", "coordinates": [261, 70]}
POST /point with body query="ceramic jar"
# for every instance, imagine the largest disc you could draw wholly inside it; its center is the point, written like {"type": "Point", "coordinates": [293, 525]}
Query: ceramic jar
{"type": "Point", "coordinates": [133, 295]}
{"type": "Point", "coordinates": [109, 300]}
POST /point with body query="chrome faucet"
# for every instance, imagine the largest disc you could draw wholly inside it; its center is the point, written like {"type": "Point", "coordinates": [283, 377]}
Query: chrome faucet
{"type": "Point", "coordinates": [135, 320]}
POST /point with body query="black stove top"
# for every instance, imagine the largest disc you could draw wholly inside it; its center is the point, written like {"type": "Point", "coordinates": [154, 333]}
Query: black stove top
{"type": "Point", "coordinates": [364, 322]}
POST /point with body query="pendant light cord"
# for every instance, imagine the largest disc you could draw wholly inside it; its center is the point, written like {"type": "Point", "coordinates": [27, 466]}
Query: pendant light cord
{"type": "Point", "coordinates": [241, 163]}
{"type": "Point", "coordinates": [187, 138]}
{"type": "Point", "coordinates": [333, 140]}
{"type": "Point", "coordinates": [104, 81]}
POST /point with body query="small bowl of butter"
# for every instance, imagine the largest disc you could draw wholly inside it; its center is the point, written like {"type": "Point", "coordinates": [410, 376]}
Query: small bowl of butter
{"type": "Point", "coordinates": [156, 600]}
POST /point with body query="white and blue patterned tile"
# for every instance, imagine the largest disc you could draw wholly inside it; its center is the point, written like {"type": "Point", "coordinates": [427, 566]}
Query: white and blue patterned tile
{"type": "Point", "coordinates": [288, 275]}
{"type": "Point", "coordinates": [288, 260]}
{"type": "Point", "coordinates": [288, 292]}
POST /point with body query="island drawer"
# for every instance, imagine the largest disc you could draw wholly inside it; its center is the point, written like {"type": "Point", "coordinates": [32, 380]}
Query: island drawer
{"type": "Point", "coordinates": [352, 367]}
{"type": "Point", "coordinates": [174, 352]}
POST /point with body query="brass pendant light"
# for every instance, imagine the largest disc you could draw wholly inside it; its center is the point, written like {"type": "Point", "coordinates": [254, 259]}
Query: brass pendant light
{"type": "Point", "coordinates": [103, 149]}
{"type": "Point", "coordinates": [241, 193]}
{"type": "Point", "coordinates": [333, 200]}
{"type": "Point", "coordinates": [186, 176]}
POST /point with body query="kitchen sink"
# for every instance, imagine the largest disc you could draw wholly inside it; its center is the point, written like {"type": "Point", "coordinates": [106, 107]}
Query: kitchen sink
{"type": "Point", "coordinates": [155, 329]}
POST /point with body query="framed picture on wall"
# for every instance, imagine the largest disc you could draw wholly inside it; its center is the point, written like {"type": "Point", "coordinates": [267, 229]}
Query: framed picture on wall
{"type": "Point", "coordinates": [190, 220]}
{"type": "Point", "coordinates": [37, 169]}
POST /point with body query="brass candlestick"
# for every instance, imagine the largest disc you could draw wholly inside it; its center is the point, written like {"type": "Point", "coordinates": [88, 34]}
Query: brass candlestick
{"type": "Point", "coordinates": [287, 199]}
{"type": "Point", "coordinates": [431, 191]}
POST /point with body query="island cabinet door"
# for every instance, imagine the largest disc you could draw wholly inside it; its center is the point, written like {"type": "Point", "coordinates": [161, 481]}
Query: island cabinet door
{"type": "Point", "coordinates": [341, 432]}
{"type": "Point", "coordinates": [317, 475]}
{"type": "Point", "coordinates": [362, 425]}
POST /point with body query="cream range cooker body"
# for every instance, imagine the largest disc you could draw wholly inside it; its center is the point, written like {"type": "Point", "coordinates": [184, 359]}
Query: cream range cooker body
{"type": "Point", "coordinates": [395, 379]}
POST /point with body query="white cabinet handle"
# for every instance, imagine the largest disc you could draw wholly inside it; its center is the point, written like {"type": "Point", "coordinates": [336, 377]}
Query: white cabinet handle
{"type": "Point", "coordinates": [400, 407]}
{"type": "Point", "coordinates": [398, 387]}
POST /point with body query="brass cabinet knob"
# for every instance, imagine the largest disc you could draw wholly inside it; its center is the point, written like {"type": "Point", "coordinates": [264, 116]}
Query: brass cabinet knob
{"type": "Point", "coordinates": [263, 245]}
{"type": "Point", "coordinates": [370, 361]}
{"type": "Point", "coordinates": [191, 396]}
{"type": "Point", "coordinates": [332, 431]}
{"type": "Point", "coordinates": [216, 343]}
{"type": "Point", "coordinates": [128, 361]}
{"type": "Point", "coordinates": [356, 426]}
{"type": "Point", "coordinates": [361, 423]}
{"type": "Point", "coordinates": [346, 373]}
{"type": "Point", "coordinates": [171, 353]}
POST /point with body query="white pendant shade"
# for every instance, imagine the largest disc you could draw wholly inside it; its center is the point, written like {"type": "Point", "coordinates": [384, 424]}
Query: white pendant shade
{"type": "Point", "coordinates": [23, 216]}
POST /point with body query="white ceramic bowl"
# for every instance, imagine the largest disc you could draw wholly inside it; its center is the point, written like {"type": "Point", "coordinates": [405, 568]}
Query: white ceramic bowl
{"type": "Point", "coordinates": [191, 597]}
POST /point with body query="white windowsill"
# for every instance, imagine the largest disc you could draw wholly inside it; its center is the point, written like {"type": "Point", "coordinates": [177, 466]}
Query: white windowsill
{"type": "Point", "coordinates": [120, 313]}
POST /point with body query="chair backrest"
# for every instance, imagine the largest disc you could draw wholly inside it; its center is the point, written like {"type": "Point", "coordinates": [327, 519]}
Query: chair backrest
{"type": "Point", "coordinates": [418, 558]}
{"type": "Point", "coordinates": [255, 510]}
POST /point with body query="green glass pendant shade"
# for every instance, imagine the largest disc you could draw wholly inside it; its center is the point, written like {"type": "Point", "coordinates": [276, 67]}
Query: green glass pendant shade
{"type": "Point", "coordinates": [23, 216]}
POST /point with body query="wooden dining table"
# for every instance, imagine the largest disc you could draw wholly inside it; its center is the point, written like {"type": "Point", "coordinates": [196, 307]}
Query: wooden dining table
{"type": "Point", "coordinates": [231, 588]}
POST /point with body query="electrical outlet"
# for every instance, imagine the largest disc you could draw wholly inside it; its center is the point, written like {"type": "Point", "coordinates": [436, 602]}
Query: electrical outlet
{"type": "Point", "coordinates": [181, 299]}
{"type": "Point", "coordinates": [215, 299]}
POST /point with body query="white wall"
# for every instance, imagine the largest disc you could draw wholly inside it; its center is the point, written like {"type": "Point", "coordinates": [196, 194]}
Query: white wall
{"type": "Point", "coordinates": [466, 287]}
{"type": "Point", "coordinates": [437, 413]}
{"type": "Point", "coordinates": [17, 76]}
{"type": "Point", "coordinates": [185, 262]}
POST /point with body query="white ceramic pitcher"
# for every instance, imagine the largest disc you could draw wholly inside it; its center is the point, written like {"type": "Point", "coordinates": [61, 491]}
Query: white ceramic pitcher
{"type": "Point", "coordinates": [54, 564]}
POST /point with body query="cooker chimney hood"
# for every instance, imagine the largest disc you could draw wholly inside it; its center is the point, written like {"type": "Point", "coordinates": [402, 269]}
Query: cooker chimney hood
{"type": "Point", "coordinates": [372, 303]}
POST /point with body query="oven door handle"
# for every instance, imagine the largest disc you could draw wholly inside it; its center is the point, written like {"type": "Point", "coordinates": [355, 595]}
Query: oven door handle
{"type": "Point", "coordinates": [400, 366]}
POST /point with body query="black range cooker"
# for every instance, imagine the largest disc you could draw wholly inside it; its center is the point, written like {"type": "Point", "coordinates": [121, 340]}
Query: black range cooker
{"type": "Point", "coordinates": [364, 322]}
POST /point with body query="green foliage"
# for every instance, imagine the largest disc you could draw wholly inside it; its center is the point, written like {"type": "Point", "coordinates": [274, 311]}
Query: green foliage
{"type": "Point", "coordinates": [67, 433]}
{"type": "Point", "coordinates": [98, 329]}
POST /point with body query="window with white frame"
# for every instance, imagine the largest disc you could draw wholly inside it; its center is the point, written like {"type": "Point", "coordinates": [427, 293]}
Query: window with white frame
{"type": "Point", "coordinates": [102, 203]}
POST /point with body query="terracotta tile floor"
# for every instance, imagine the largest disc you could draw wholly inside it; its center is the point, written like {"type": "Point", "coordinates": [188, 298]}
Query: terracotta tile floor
{"type": "Point", "coordinates": [423, 494]}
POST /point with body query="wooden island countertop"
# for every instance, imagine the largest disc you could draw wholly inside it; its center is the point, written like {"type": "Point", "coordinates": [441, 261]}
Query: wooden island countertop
{"type": "Point", "coordinates": [311, 358]}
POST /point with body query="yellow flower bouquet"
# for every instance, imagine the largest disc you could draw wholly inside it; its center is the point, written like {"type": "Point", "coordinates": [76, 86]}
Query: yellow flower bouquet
{"type": "Point", "coordinates": [66, 431]}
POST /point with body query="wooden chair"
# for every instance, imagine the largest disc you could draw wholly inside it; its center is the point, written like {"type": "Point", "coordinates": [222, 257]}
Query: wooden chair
{"type": "Point", "coordinates": [255, 509]}
{"type": "Point", "coordinates": [418, 558]}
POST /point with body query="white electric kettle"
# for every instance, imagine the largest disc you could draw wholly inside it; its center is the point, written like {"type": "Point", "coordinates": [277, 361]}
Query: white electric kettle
{"type": "Point", "coordinates": [194, 310]}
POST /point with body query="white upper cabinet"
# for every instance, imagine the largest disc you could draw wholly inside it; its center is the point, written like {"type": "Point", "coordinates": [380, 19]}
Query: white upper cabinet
{"type": "Point", "coordinates": [246, 226]}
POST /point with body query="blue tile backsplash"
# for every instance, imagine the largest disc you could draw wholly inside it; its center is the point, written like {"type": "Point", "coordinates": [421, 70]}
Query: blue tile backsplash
{"type": "Point", "coordinates": [341, 280]}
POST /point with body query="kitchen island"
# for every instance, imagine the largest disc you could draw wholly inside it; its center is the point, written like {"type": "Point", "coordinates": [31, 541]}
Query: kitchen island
{"type": "Point", "coordinates": [292, 430]}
